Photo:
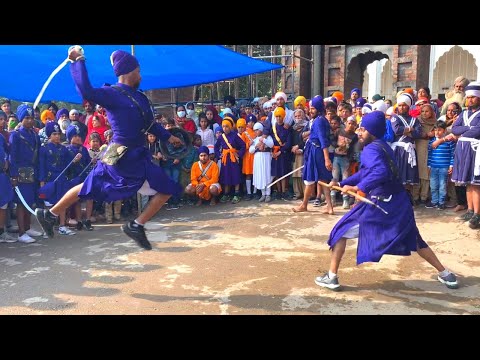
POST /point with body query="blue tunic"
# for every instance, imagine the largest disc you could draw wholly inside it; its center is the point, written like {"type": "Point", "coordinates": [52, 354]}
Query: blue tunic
{"type": "Point", "coordinates": [230, 172]}
{"type": "Point", "coordinates": [464, 162]}
{"type": "Point", "coordinates": [408, 174]}
{"type": "Point", "coordinates": [282, 164]}
{"type": "Point", "coordinates": [123, 180]}
{"type": "Point", "coordinates": [6, 193]}
{"type": "Point", "coordinates": [379, 234]}
{"type": "Point", "coordinates": [314, 163]}
{"type": "Point", "coordinates": [54, 158]}
{"type": "Point", "coordinates": [24, 149]}
{"type": "Point", "coordinates": [77, 168]}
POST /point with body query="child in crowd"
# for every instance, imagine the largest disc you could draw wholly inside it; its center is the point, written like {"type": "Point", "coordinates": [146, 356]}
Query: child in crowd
{"type": "Point", "coordinates": [187, 163]}
{"type": "Point", "coordinates": [206, 134]}
{"type": "Point", "coordinates": [247, 134]}
{"type": "Point", "coordinates": [440, 165]}
{"type": "Point", "coordinates": [204, 178]}
{"type": "Point", "coordinates": [261, 147]}
{"type": "Point", "coordinates": [297, 150]}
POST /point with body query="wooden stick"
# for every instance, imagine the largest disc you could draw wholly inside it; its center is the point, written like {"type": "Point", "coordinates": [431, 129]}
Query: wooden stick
{"type": "Point", "coordinates": [354, 194]}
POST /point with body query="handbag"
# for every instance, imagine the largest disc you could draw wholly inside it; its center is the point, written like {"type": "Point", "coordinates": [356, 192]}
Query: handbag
{"type": "Point", "coordinates": [26, 175]}
{"type": "Point", "coordinates": [114, 153]}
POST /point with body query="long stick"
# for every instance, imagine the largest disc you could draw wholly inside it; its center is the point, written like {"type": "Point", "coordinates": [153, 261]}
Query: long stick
{"type": "Point", "coordinates": [284, 176]}
{"type": "Point", "coordinates": [354, 194]}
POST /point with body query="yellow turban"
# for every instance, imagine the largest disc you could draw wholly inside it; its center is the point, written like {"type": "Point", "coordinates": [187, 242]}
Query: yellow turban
{"type": "Point", "coordinates": [227, 121]}
{"type": "Point", "coordinates": [46, 114]}
{"type": "Point", "coordinates": [241, 123]}
{"type": "Point", "coordinates": [299, 100]}
{"type": "Point", "coordinates": [279, 111]}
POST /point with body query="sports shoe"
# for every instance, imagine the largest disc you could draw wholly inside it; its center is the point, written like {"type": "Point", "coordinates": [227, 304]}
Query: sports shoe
{"type": "Point", "coordinates": [474, 221]}
{"type": "Point", "coordinates": [325, 281]}
{"type": "Point", "coordinates": [346, 204]}
{"type": "Point", "coordinates": [236, 199]}
{"type": "Point", "coordinates": [248, 197]}
{"type": "Point", "coordinates": [262, 198]}
{"type": "Point", "coordinates": [46, 220]}
{"type": "Point", "coordinates": [7, 238]}
{"type": "Point", "coordinates": [467, 216]}
{"type": "Point", "coordinates": [224, 199]}
{"type": "Point", "coordinates": [316, 203]}
{"type": "Point", "coordinates": [32, 232]}
{"type": "Point", "coordinates": [79, 226]}
{"type": "Point", "coordinates": [63, 230]}
{"type": "Point", "coordinates": [137, 233]}
{"type": "Point", "coordinates": [441, 207]}
{"type": "Point", "coordinates": [268, 198]}
{"type": "Point", "coordinates": [430, 205]}
{"type": "Point", "coordinates": [88, 225]}
{"type": "Point", "coordinates": [450, 280]}
{"type": "Point", "coordinates": [26, 239]}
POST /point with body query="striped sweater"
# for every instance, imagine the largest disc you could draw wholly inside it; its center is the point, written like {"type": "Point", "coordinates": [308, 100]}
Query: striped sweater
{"type": "Point", "coordinates": [442, 156]}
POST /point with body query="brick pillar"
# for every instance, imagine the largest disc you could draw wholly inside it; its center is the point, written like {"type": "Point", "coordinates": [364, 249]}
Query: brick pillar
{"type": "Point", "coordinates": [410, 66]}
{"type": "Point", "coordinates": [334, 74]}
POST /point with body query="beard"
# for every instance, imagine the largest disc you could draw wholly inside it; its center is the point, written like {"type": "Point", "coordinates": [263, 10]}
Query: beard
{"type": "Point", "coordinates": [365, 140]}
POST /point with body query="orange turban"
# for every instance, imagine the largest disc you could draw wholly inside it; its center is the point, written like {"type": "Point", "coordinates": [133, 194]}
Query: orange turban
{"type": "Point", "coordinates": [279, 111]}
{"type": "Point", "coordinates": [227, 121]}
{"type": "Point", "coordinates": [338, 95]}
{"type": "Point", "coordinates": [241, 123]}
{"type": "Point", "coordinates": [299, 100]}
{"type": "Point", "coordinates": [409, 90]}
{"type": "Point", "coordinates": [47, 115]}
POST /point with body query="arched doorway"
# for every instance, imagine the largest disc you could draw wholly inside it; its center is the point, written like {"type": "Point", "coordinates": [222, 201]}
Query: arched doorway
{"type": "Point", "coordinates": [358, 76]}
{"type": "Point", "coordinates": [451, 64]}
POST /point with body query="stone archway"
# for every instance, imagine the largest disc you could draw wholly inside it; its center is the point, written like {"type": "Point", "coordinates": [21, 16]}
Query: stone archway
{"type": "Point", "coordinates": [357, 66]}
{"type": "Point", "coordinates": [455, 62]}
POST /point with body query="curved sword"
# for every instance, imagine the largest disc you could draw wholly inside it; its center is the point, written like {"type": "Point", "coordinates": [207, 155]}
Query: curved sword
{"type": "Point", "coordinates": [20, 196]}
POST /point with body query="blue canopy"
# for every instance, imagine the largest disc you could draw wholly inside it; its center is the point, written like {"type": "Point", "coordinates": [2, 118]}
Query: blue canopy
{"type": "Point", "coordinates": [25, 68]}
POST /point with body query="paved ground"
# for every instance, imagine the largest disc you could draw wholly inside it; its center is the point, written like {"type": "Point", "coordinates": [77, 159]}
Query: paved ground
{"type": "Point", "coordinates": [243, 259]}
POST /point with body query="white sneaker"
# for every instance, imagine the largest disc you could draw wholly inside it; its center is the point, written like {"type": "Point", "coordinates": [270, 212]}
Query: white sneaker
{"type": "Point", "coordinates": [25, 238]}
{"type": "Point", "coordinates": [63, 230]}
{"type": "Point", "coordinates": [7, 238]}
{"type": "Point", "coordinates": [32, 232]}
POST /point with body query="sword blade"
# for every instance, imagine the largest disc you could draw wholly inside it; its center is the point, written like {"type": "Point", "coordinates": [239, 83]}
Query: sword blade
{"type": "Point", "coordinates": [284, 176]}
{"type": "Point", "coordinates": [20, 196]}
{"type": "Point", "coordinates": [52, 75]}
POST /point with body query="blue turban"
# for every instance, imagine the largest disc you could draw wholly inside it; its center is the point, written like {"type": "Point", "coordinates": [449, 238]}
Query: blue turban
{"type": "Point", "coordinates": [71, 131]}
{"type": "Point", "coordinates": [216, 128]}
{"type": "Point", "coordinates": [360, 102]}
{"type": "Point", "coordinates": [61, 112]}
{"type": "Point", "coordinates": [317, 103]}
{"type": "Point", "coordinates": [2, 113]}
{"type": "Point", "coordinates": [23, 111]}
{"type": "Point", "coordinates": [203, 149]}
{"type": "Point", "coordinates": [251, 117]}
{"type": "Point", "coordinates": [123, 62]}
{"type": "Point", "coordinates": [357, 90]}
{"type": "Point", "coordinates": [374, 123]}
{"type": "Point", "coordinates": [51, 127]}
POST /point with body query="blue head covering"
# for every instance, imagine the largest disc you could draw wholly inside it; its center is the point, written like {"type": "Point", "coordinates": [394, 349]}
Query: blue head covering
{"type": "Point", "coordinates": [357, 90]}
{"type": "Point", "coordinates": [23, 111]}
{"type": "Point", "coordinates": [251, 117]}
{"type": "Point", "coordinates": [360, 102]}
{"type": "Point", "coordinates": [61, 112]}
{"type": "Point", "coordinates": [51, 127]}
{"type": "Point", "coordinates": [71, 131]}
{"type": "Point", "coordinates": [216, 128]}
{"type": "Point", "coordinates": [374, 123]}
{"type": "Point", "coordinates": [123, 62]}
{"type": "Point", "coordinates": [317, 103]}
{"type": "Point", "coordinates": [203, 149]}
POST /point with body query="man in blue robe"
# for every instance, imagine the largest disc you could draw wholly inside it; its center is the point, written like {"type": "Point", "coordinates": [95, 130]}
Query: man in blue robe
{"type": "Point", "coordinates": [130, 117]}
{"type": "Point", "coordinates": [378, 234]}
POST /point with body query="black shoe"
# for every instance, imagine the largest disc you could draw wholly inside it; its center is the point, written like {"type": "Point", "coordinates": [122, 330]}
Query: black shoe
{"type": "Point", "coordinates": [430, 205]}
{"type": "Point", "coordinates": [474, 221]}
{"type": "Point", "coordinates": [46, 220]}
{"type": "Point", "coordinates": [88, 225]}
{"type": "Point", "coordinates": [79, 226]}
{"type": "Point", "coordinates": [467, 216]}
{"type": "Point", "coordinates": [137, 233]}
